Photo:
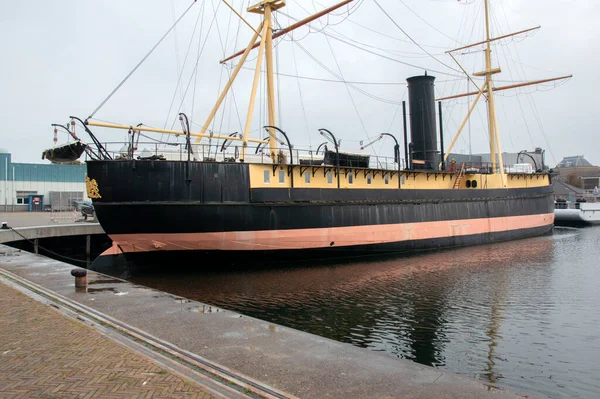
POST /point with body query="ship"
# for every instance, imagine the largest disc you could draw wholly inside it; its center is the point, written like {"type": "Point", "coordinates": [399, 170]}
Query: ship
{"type": "Point", "coordinates": [578, 213]}
{"type": "Point", "coordinates": [267, 199]}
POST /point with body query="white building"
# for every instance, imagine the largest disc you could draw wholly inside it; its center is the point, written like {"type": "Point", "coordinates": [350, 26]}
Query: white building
{"type": "Point", "coordinates": [39, 187]}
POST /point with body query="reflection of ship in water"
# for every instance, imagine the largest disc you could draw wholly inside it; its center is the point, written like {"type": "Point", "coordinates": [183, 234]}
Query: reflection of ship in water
{"type": "Point", "coordinates": [410, 307]}
{"type": "Point", "coordinates": [498, 306]}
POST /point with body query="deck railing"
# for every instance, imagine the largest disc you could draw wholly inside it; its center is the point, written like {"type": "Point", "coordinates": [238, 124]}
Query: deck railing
{"type": "Point", "coordinates": [218, 152]}
{"type": "Point", "coordinates": [177, 151]}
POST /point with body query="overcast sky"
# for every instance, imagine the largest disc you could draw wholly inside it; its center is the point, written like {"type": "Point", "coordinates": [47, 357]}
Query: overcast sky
{"type": "Point", "coordinates": [64, 57]}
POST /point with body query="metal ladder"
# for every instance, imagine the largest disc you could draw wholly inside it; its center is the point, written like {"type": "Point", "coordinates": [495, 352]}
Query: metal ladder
{"type": "Point", "coordinates": [459, 176]}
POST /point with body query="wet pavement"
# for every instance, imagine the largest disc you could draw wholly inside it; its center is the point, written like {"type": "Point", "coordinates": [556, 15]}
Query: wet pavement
{"type": "Point", "coordinates": [45, 354]}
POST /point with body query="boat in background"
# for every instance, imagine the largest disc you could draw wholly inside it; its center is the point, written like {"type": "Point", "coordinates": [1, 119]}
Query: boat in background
{"type": "Point", "coordinates": [65, 153]}
{"type": "Point", "coordinates": [579, 213]}
{"type": "Point", "coordinates": [68, 152]}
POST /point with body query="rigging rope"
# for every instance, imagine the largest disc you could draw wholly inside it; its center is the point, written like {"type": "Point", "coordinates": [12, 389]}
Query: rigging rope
{"type": "Point", "coordinates": [531, 103]}
{"type": "Point", "coordinates": [177, 57]}
{"type": "Point", "coordinates": [301, 99]}
{"type": "Point", "coordinates": [178, 86]}
{"type": "Point", "coordinates": [348, 90]}
{"type": "Point", "coordinates": [358, 82]}
{"type": "Point", "coordinates": [196, 74]}
{"type": "Point", "coordinates": [224, 47]}
{"type": "Point", "coordinates": [412, 40]}
{"type": "Point", "coordinates": [181, 70]}
{"type": "Point", "coordinates": [397, 110]}
{"type": "Point", "coordinates": [395, 60]}
{"type": "Point", "coordinates": [196, 66]}
{"type": "Point", "coordinates": [235, 42]}
{"type": "Point", "coordinates": [140, 63]}
{"type": "Point", "coordinates": [341, 79]}
{"type": "Point", "coordinates": [350, 11]}
{"type": "Point", "coordinates": [279, 110]}
{"type": "Point", "coordinates": [392, 37]}
{"type": "Point", "coordinates": [507, 53]}
{"type": "Point", "coordinates": [381, 55]}
{"type": "Point", "coordinates": [428, 24]}
{"type": "Point", "coordinates": [336, 34]}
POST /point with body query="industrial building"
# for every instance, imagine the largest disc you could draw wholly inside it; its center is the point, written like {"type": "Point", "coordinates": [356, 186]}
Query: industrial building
{"type": "Point", "coordinates": [39, 187]}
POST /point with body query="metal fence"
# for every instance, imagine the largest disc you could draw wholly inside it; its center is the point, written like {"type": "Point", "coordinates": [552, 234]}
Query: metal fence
{"type": "Point", "coordinates": [64, 206]}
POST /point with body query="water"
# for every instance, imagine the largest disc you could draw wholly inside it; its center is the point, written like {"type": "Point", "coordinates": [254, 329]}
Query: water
{"type": "Point", "coordinates": [521, 314]}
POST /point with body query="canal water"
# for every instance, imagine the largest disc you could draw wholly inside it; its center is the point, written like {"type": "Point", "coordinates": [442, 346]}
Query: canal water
{"type": "Point", "coordinates": [523, 314]}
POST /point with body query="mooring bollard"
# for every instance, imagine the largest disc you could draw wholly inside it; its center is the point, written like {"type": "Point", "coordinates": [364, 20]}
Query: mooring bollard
{"type": "Point", "coordinates": [4, 226]}
{"type": "Point", "coordinates": [80, 277]}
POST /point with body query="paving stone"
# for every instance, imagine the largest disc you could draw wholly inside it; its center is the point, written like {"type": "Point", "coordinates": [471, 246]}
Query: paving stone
{"type": "Point", "coordinates": [45, 354]}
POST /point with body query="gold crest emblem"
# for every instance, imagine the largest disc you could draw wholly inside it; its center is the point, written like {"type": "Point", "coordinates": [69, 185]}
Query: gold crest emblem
{"type": "Point", "coordinates": [92, 188]}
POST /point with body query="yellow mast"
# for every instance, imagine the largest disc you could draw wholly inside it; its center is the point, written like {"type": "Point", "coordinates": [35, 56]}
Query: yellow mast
{"type": "Point", "coordinates": [261, 51]}
{"type": "Point", "coordinates": [513, 86]}
{"type": "Point", "coordinates": [270, 82]}
{"type": "Point", "coordinates": [492, 122]}
{"type": "Point", "coordinates": [265, 31]}
{"type": "Point", "coordinates": [228, 85]}
{"type": "Point", "coordinates": [487, 91]}
{"type": "Point", "coordinates": [265, 7]}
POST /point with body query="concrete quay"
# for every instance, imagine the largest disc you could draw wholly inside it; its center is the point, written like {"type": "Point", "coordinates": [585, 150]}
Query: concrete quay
{"type": "Point", "coordinates": [59, 230]}
{"type": "Point", "coordinates": [37, 225]}
{"type": "Point", "coordinates": [28, 219]}
{"type": "Point", "coordinates": [293, 363]}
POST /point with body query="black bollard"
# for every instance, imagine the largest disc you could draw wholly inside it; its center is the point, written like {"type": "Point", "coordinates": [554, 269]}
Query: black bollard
{"type": "Point", "coordinates": [80, 277]}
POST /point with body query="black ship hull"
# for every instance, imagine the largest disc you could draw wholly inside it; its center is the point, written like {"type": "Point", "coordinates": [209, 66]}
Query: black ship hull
{"type": "Point", "coordinates": [161, 206]}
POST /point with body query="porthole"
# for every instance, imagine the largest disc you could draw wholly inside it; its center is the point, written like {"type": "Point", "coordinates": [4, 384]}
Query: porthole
{"type": "Point", "coordinates": [474, 183]}
{"type": "Point", "coordinates": [468, 183]}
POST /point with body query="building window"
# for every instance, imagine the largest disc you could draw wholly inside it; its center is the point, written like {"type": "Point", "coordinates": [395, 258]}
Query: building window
{"type": "Point", "coordinates": [369, 179]}
{"type": "Point", "coordinates": [329, 178]}
{"type": "Point", "coordinates": [267, 176]}
{"type": "Point", "coordinates": [281, 177]}
{"type": "Point", "coordinates": [306, 177]}
{"type": "Point", "coordinates": [23, 197]}
{"type": "Point", "coordinates": [350, 178]}
{"type": "Point", "coordinates": [386, 179]}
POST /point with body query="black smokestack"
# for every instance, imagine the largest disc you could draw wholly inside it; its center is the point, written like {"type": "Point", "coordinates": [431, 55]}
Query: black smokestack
{"type": "Point", "coordinates": [421, 102]}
